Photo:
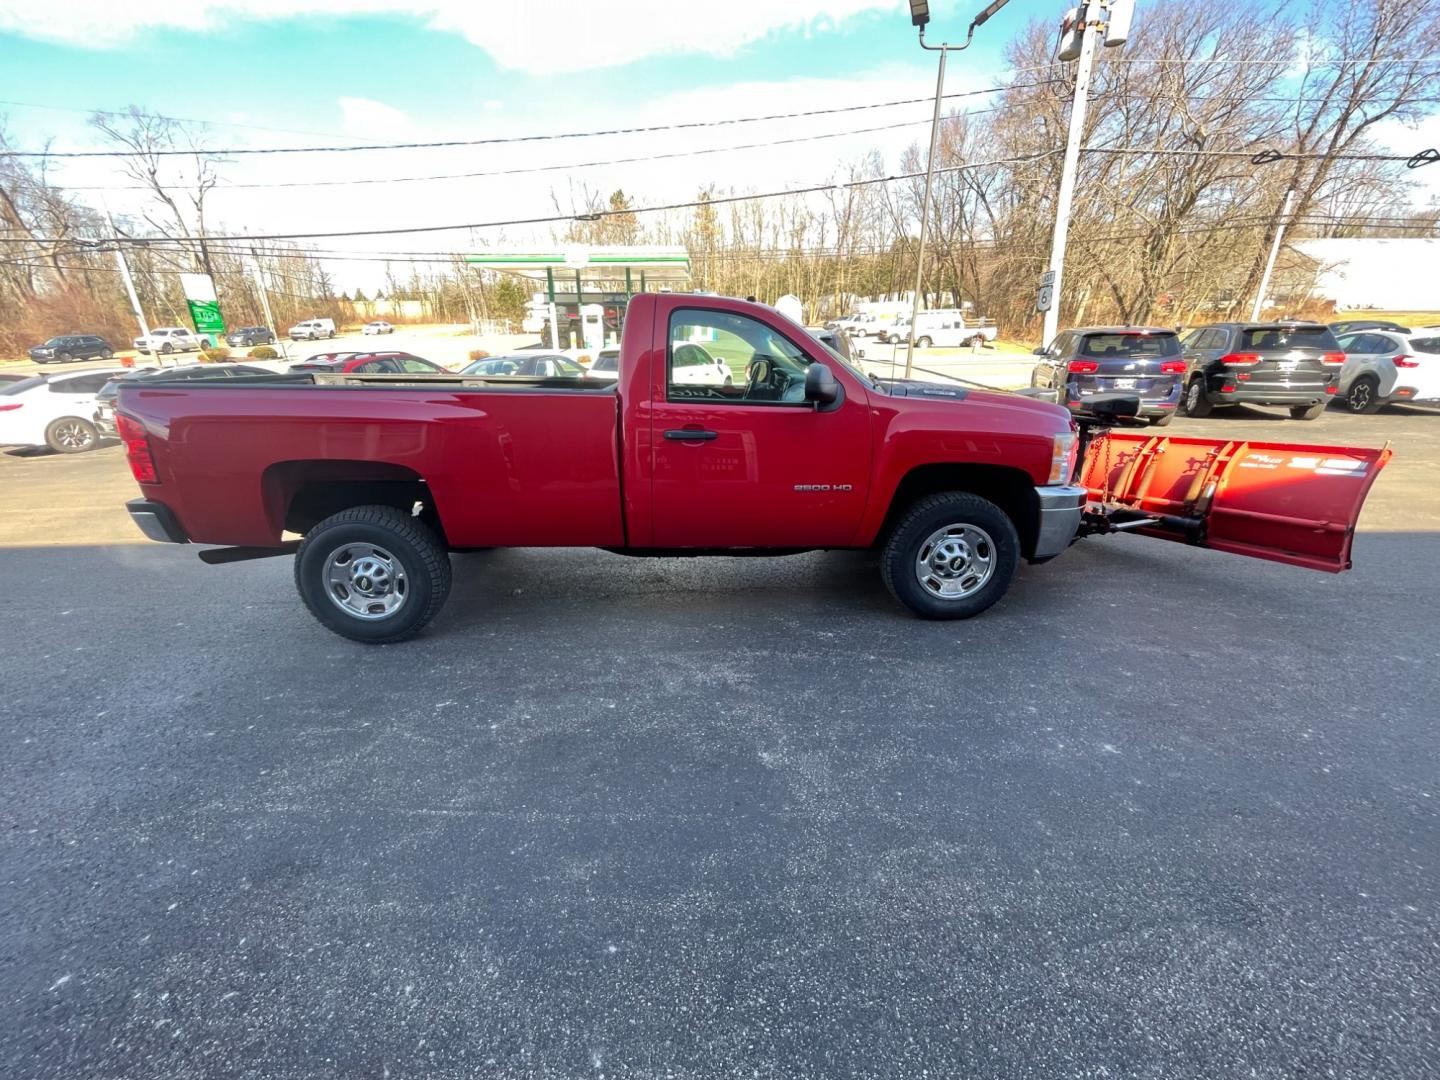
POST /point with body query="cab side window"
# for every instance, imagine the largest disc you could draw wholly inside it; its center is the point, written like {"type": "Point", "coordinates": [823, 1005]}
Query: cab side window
{"type": "Point", "coordinates": [723, 357]}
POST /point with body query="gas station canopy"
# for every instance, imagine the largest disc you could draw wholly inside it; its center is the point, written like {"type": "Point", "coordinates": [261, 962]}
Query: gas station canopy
{"type": "Point", "coordinates": [580, 268]}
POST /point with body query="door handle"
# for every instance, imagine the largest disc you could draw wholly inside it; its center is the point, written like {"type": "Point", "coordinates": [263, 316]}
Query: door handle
{"type": "Point", "coordinates": [691, 435]}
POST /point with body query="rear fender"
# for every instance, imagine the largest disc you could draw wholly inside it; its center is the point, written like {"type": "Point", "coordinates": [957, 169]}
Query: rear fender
{"type": "Point", "coordinates": [1288, 502]}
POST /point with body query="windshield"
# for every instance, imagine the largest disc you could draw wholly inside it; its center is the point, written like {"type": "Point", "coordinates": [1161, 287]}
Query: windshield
{"type": "Point", "coordinates": [1130, 346]}
{"type": "Point", "coordinates": [23, 385]}
{"type": "Point", "coordinates": [1289, 337]}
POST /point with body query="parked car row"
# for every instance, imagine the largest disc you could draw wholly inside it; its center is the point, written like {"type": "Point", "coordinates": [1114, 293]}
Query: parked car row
{"type": "Point", "coordinates": [1300, 366]}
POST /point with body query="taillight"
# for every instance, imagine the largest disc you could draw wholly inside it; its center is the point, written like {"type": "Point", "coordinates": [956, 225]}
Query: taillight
{"type": "Point", "coordinates": [137, 448]}
{"type": "Point", "coordinates": [11, 408]}
{"type": "Point", "coordinates": [1173, 367]}
{"type": "Point", "coordinates": [1333, 358]}
{"type": "Point", "coordinates": [1399, 361]}
{"type": "Point", "coordinates": [1240, 359]}
{"type": "Point", "coordinates": [1084, 367]}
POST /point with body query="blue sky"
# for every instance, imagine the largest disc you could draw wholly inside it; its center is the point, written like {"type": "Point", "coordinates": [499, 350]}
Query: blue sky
{"type": "Point", "coordinates": [381, 70]}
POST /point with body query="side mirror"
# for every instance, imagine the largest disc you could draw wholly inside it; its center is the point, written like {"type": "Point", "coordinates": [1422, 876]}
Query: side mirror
{"type": "Point", "coordinates": [1040, 351]}
{"type": "Point", "coordinates": [821, 386]}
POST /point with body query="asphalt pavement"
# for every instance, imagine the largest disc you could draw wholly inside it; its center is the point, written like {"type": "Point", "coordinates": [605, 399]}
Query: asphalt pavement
{"type": "Point", "coordinates": [1161, 813]}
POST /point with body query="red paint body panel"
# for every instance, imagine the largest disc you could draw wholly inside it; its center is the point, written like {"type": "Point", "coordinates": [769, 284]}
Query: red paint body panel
{"type": "Point", "coordinates": [1286, 502]}
{"type": "Point", "coordinates": [505, 468]}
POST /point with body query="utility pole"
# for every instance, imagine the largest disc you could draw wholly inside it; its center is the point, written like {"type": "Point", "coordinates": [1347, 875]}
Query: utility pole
{"type": "Point", "coordinates": [124, 268]}
{"type": "Point", "coordinates": [1274, 253]}
{"type": "Point", "coordinates": [1110, 20]}
{"type": "Point", "coordinates": [265, 302]}
{"type": "Point", "coordinates": [919, 16]}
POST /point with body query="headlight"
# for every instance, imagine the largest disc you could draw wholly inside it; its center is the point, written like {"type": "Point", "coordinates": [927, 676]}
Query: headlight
{"type": "Point", "coordinates": [1062, 458]}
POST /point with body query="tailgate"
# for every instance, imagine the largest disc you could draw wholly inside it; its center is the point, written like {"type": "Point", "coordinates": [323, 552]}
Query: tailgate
{"type": "Point", "coordinates": [1288, 502]}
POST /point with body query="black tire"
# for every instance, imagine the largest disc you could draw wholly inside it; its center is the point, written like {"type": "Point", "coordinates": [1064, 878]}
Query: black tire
{"type": "Point", "coordinates": [915, 531]}
{"type": "Point", "coordinates": [409, 541]}
{"type": "Point", "coordinates": [71, 435]}
{"type": "Point", "coordinates": [1363, 397]}
{"type": "Point", "coordinates": [167, 348]}
{"type": "Point", "coordinates": [922, 343]}
{"type": "Point", "coordinates": [1308, 412]}
{"type": "Point", "coordinates": [1162, 421]}
{"type": "Point", "coordinates": [64, 357]}
{"type": "Point", "coordinates": [106, 354]}
{"type": "Point", "coordinates": [1197, 404]}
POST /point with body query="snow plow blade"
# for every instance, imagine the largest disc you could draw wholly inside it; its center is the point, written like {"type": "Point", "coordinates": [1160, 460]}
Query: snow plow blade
{"type": "Point", "coordinates": [1287, 502]}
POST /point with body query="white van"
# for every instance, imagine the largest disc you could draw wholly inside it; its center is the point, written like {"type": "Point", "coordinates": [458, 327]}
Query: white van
{"type": "Point", "coordinates": [948, 329]}
{"type": "Point", "coordinates": [311, 329]}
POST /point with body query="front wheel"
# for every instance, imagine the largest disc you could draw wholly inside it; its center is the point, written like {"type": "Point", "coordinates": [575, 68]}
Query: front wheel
{"type": "Point", "coordinates": [951, 556]}
{"type": "Point", "coordinates": [373, 574]}
{"type": "Point", "coordinates": [64, 358]}
{"type": "Point", "coordinates": [922, 343]}
{"type": "Point", "coordinates": [1308, 412]}
{"type": "Point", "coordinates": [71, 435]}
{"type": "Point", "coordinates": [1196, 403]}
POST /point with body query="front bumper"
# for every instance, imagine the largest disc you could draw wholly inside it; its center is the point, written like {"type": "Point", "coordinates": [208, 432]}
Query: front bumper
{"type": "Point", "coordinates": [157, 521]}
{"type": "Point", "coordinates": [1061, 507]}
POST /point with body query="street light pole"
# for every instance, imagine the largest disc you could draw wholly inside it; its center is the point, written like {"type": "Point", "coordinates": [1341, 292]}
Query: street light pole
{"type": "Point", "coordinates": [925, 207]}
{"type": "Point", "coordinates": [1090, 31]}
{"type": "Point", "coordinates": [919, 16]}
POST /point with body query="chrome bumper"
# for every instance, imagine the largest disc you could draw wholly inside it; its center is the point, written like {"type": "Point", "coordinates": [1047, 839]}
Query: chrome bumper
{"type": "Point", "coordinates": [1060, 510]}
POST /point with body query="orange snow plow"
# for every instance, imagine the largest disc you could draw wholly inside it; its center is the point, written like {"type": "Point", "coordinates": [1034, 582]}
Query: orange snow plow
{"type": "Point", "coordinates": [1287, 502]}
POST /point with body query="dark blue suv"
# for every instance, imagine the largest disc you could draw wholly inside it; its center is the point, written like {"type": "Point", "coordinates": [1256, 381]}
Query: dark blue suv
{"type": "Point", "coordinates": [1142, 360]}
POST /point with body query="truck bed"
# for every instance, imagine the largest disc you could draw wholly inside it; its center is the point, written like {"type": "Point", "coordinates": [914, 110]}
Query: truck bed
{"type": "Point", "coordinates": [523, 462]}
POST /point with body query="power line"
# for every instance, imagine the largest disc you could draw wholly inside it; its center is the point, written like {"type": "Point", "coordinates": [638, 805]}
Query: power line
{"type": "Point", "coordinates": [1294, 61]}
{"type": "Point", "coordinates": [177, 119]}
{"type": "Point", "coordinates": [514, 138]}
{"type": "Point", "coordinates": [550, 168]}
{"type": "Point", "coordinates": [597, 215]}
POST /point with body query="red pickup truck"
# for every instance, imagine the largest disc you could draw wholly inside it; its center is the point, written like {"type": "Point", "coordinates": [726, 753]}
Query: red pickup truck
{"type": "Point", "coordinates": [730, 430]}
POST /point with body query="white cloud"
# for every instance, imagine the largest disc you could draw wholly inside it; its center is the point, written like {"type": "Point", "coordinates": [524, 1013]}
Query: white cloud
{"type": "Point", "coordinates": [537, 36]}
{"type": "Point", "coordinates": [366, 119]}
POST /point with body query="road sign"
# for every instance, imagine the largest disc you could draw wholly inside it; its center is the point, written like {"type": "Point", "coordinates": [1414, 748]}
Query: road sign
{"type": "Point", "coordinates": [1044, 297]}
{"type": "Point", "coordinates": [1047, 278]}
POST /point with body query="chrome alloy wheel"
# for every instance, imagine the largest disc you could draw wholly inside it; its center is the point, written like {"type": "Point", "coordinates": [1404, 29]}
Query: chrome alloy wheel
{"type": "Point", "coordinates": [365, 581]}
{"type": "Point", "coordinates": [955, 562]}
{"type": "Point", "coordinates": [74, 435]}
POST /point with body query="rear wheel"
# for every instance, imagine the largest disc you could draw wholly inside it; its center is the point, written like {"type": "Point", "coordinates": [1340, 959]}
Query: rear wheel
{"type": "Point", "coordinates": [106, 354]}
{"type": "Point", "coordinates": [167, 348]}
{"type": "Point", "coordinates": [951, 556]}
{"type": "Point", "coordinates": [1363, 395]}
{"type": "Point", "coordinates": [1196, 403]}
{"type": "Point", "coordinates": [373, 574]}
{"type": "Point", "coordinates": [1307, 412]}
{"type": "Point", "coordinates": [71, 435]}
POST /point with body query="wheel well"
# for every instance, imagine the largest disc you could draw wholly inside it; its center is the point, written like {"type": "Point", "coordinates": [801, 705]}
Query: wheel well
{"type": "Point", "coordinates": [1012, 490]}
{"type": "Point", "coordinates": [301, 494]}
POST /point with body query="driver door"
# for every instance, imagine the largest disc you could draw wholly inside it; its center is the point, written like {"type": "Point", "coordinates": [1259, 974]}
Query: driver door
{"type": "Point", "coordinates": [744, 460]}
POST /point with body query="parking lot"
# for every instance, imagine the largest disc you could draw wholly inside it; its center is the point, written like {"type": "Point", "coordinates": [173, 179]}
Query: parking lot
{"type": "Point", "coordinates": [1161, 813]}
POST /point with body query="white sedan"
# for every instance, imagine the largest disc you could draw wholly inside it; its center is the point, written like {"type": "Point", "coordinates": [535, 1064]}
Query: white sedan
{"type": "Point", "coordinates": [378, 327]}
{"type": "Point", "coordinates": [53, 410]}
{"type": "Point", "coordinates": [692, 365]}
